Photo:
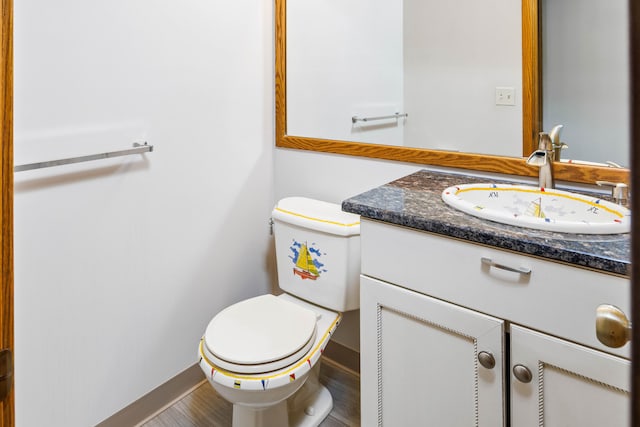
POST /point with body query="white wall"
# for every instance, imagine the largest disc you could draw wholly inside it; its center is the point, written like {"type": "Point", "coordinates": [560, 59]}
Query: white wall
{"type": "Point", "coordinates": [439, 62]}
{"type": "Point", "coordinates": [585, 64]}
{"type": "Point", "coordinates": [120, 264]}
{"type": "Point", "coordinates": [344, 59]}
{"type": "Point", "coordinates": [455, 55]}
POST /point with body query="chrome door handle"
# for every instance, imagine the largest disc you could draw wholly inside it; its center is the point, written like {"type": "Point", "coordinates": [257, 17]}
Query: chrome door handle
{"type": "Point", "coordinates": [491, 263]}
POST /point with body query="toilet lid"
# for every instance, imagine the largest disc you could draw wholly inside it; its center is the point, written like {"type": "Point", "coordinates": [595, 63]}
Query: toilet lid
{"type": "Point", "coordinates": [260, 330]}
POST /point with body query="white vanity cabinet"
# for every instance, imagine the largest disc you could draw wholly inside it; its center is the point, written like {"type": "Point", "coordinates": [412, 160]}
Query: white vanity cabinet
{"type": "Point", "coordinates": [443, 326]}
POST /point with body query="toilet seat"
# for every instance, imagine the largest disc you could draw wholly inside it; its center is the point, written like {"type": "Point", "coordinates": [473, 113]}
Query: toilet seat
{"type": "Point", "coordinates": [260, 335]}
{"type": "Point", "coordinates": [327, 323]}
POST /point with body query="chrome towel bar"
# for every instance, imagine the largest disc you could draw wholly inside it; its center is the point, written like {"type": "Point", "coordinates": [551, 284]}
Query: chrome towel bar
{"type": "Point", "coordinates": [137, 149]}
{"type": "Point", "coordinates": [355, 119]}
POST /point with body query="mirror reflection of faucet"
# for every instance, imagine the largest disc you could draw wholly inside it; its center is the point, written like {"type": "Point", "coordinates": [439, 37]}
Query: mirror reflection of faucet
{"type": "Point", "coordinates": [558, 146]}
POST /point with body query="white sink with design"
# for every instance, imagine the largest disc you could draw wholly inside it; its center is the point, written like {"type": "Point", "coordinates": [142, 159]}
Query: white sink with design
{"type": "Point", "coordinates": [539, 208]}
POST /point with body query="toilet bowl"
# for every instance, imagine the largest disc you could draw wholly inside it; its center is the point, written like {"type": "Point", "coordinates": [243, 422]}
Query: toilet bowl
{"type": "Point", "coordinates": [262, 325]}
{"type": "Point", "coordinates": [262, 354]}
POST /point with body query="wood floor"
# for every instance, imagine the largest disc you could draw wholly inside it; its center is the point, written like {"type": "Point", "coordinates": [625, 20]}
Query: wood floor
{"type": "Point", "coordinates": [204, 407]}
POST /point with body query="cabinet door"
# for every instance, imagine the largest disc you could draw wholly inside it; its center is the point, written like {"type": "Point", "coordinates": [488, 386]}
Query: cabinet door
{"type": "Point", "coordinates": [420, 363]}
{"type": "Point", "coordinates": [571, 385]}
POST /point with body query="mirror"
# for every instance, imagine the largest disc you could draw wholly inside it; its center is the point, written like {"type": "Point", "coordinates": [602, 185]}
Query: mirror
{"type": "Point", "coordinates": [527, 118]}
{"type": "Point", "coordinates": [585, 76]}
{"type": "Point", "coordinates": [392, 59]}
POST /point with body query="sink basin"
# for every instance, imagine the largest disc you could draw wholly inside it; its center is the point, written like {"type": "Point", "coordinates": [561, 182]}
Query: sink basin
{"type": "Point", "coordinates": [539, 208]}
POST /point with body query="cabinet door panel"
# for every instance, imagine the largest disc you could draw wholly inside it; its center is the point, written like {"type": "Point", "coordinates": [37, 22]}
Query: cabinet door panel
{"type": "Point", "coordinates": [422, 366]}
{"type": "Point", "coordinates": [571, 385]}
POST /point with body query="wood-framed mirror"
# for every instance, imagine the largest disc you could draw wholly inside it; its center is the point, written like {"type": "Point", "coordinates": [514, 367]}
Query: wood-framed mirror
{"type": "Point", "coordinates": [531, 120]}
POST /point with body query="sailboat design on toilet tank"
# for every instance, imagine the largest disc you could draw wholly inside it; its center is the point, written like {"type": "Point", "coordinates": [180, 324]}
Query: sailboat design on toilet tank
{"type": "Point", "coordinates": [305, 260]}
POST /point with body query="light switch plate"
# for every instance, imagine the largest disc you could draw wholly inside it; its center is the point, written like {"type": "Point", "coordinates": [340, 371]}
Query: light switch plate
{"type": "Point", "coordinates": [505, 96]}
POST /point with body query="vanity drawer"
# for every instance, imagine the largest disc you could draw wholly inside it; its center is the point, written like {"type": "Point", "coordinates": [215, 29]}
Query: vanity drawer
{"type": "Point", "coordinates": [555, 298]}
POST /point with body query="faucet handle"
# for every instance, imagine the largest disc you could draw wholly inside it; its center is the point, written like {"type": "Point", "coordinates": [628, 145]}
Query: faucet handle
{"type": "Point", "coordinates": [619, 190]}
{"type": "Point", "coordinates": [554, 134]}
{"type": "Point", "coordinates": [557, 150]}
{"type": "Point", "coordinates": [557, 145]}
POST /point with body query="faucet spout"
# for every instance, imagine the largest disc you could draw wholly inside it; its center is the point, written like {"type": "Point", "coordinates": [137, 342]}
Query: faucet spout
{"type": "Point", "coordinates": [537, 158]}
{"type": "Point", "coordinates": [543, 158]}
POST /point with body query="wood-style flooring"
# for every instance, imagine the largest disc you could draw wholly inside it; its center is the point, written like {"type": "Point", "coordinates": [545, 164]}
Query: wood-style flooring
{"type": "Point", "coordinates": [203, 407]}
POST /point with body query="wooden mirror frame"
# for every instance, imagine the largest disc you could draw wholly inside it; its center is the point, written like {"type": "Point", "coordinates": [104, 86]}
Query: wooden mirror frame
{"type": "Point", "coordinates": [531, 123]}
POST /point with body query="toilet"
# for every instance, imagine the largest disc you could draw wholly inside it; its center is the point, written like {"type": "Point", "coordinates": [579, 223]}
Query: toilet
{"type": "Point", "coordinates": [262, 354]}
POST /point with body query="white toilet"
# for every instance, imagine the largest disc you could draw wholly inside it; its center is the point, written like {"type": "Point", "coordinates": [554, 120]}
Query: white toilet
{"type": "Point", "coordinates": [259, 352]}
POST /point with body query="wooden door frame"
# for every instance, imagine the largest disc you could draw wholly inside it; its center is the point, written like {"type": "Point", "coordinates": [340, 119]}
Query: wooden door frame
{"type": "Point", "coordinates": [7, 407]}
{"type": "Point", "coordinates": [634, 54]}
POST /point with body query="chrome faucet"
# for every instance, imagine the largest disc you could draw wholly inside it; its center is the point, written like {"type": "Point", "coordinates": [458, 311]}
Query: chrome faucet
{"type": "Point", "coordinates": [619, 191]}
{"type": "Point", "coordinates": [543, 158]}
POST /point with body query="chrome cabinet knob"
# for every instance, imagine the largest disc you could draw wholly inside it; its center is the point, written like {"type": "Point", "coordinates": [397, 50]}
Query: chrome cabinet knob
{"type": "Point", "coordinates": [486, 359]}
{"type": "Point", "coordinates": [522, 373]}
{"type": "Point", "coordinates": [613, 328]}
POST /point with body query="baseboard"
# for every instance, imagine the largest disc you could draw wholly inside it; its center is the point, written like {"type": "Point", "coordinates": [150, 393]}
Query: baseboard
{"type": "Point", "coordinates": [343, 356]}
{"type": "Point", "coordinates": [157, 400]}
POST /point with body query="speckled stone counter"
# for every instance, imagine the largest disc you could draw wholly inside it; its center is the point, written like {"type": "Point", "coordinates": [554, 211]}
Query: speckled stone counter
{"type": "Point", "coordinates": [415, 201]}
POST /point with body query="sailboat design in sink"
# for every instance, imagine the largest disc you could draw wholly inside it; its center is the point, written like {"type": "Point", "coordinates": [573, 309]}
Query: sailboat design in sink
{"type": "Point", "coordinates": [535, 209]}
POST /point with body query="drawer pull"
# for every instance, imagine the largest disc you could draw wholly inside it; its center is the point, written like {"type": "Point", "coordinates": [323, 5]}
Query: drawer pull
{"type": "Point", "coordinates": [491, 263]}
{"type": "Point", "coordinates": [613, 328]}
{"type": "Point", "coordinates": [522, 374]}
{"type": "Point", "coordinates": [487, 360]}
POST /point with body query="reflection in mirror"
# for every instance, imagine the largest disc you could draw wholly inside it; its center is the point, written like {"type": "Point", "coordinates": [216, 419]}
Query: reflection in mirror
{"type": "Point", "coordinates": [585, 81]}
{"type": "Point", "coordinates": [375, 58]}
{"type": "Point", "coordinates": [303, 118]}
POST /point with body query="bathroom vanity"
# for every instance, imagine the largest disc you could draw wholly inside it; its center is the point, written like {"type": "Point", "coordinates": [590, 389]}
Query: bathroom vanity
{"type": "Point", "coordinates": [469, 322]}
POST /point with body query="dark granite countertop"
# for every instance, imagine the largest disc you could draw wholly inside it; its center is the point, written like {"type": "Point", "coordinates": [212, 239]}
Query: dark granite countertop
{"type": "Point", "coordinates": [415, 201]}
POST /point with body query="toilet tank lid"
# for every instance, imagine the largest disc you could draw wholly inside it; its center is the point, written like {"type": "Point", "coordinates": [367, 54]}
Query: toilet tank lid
{"type": "Point", "coordinates": [317, 215]}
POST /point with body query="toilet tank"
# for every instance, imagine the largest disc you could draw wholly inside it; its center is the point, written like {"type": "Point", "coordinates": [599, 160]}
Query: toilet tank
{"type": "Point", "coordinates": [318, 252]}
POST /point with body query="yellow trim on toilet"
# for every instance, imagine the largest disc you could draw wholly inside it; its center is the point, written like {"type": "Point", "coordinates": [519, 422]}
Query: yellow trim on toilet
{"type": "Point", "coordinates": [353, 224]}
{"type": "Point", "coordinates": [292, 368]}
